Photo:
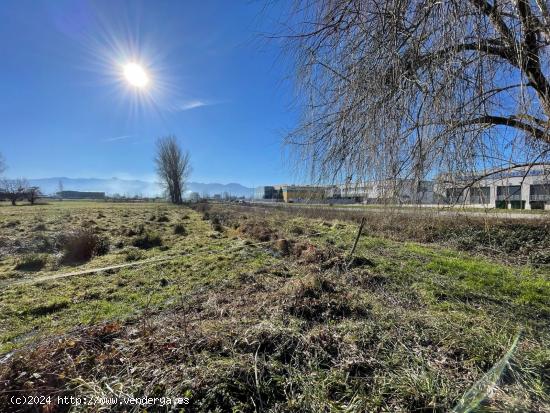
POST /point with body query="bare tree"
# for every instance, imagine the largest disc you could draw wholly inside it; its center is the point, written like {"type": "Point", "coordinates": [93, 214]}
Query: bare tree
{"type": "Point", "coordinates": [60, 189]}
{"type": "Point", "coordinates": [411, 88]}
{"type": "Point", "coordinates": [14, 189]}
{"type": "Point", "coordinates": [33, 193]}
{"type": "Point", "coordinates": [173, 167]}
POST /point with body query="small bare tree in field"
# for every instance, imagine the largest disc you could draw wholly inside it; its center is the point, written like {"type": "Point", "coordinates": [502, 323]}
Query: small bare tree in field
{"type": "Point", "coordinates": [14, 189]}
{"type": "Point", "coordinates": [173, 167]}
{"type": "Point", "coordinates": [60, 190]}
{"type": "Point", "coordinates": [412, 88]}
{"type": "Point", "coordinates": [33, 193]}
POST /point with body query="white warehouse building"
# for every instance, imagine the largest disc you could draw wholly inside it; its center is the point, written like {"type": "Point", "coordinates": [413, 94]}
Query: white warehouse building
{"type": "Point", "coordinates": [518, 188]}
{"type": "Point", "coordinates": [402, 191]}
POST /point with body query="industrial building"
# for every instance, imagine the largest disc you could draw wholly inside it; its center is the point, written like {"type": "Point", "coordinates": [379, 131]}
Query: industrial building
{"type": "Point", "coordinates": [291, 193]}
{"type": "Point", "coordinates": [268, 193]}
{"type": "Point", "coordinates": [517, 188]}
{"type": "Point", "coordinates": [302, 193]}
{"type": "Point", "coordinates": [80, 195]}
{"type": "Point", "coordinates": [403, 192]}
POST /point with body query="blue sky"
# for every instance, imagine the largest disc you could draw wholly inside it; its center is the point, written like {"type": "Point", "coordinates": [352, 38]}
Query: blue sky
{"type": "Point", "coordinates": [215, 83]}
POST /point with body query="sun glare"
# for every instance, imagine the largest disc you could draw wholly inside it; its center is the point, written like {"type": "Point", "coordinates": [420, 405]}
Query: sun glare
{"type": "Point", "coordinates": [136, 75]}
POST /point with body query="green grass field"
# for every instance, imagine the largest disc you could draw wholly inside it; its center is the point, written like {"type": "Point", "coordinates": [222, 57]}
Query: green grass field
{"type": "Point", "coordinates": [28, 310]}
{"type": "Point", "coordinates": [259, 310]}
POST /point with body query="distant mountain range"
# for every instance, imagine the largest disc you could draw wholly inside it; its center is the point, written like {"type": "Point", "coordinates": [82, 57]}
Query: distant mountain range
{"type": "Point", "coordinates": [133, 187]}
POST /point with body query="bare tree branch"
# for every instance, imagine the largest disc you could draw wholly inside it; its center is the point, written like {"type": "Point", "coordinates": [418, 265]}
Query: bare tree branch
{"type": "Point", "coordinates": [413, 88]}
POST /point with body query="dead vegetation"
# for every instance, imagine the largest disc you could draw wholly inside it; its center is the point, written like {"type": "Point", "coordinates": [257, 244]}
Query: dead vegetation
{"type": "Point", "coordinates": [514, 240]}
{"type": "Point", "coordinates": [81, 245]}
{"type": "Point", "coordinates": [179, 229]}
{"type": "Point", "coordinates": [257, 230]}
{"type": "Point", "coordinates": [31, 262]}
{"type": "Point", "coordinates": [317, 299]}
{"type": "Point", "coordinates": [147, 239]}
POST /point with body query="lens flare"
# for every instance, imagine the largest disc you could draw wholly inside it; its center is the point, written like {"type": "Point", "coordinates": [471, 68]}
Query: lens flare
{"type": "Point", "coordinates": [136, 75]}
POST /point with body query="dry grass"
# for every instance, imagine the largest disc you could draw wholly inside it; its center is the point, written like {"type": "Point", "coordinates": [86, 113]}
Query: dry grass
{"type": "Point", "coordinates": [514, 240]}
{"type": "Point", "coordinates": [31, 262]}
{"type": "Point", "coordinates": [284, 325]}
{"type": "Point", "coordinates": [81, 245]}
{"type": "Point", "coordinates": [147, 240]}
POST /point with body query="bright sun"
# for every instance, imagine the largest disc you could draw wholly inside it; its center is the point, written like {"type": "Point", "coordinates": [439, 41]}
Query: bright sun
{"type": "Point", "coordinates": [136, 75]}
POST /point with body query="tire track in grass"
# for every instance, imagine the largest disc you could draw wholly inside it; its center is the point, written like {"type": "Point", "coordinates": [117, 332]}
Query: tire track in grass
{"type": "Point", "coordinates": [29, 281]}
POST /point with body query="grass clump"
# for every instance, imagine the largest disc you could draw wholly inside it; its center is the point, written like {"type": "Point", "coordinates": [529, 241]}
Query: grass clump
{"type": "Point", "coordinates": [12, 224]}
{"type": "Point", "coordinates": [317, 299]}
{"type": "Point", "coordinates": [216, 224]}
{"type": "Point", "coordinates": [139, 230]}
{"type": "Point", "coordinates": [42, 243]}
{"type": "Point", "coordinates": [31, 262]}
{"type": "Point", "coordinates": [179, 229]}
{"type": "Point", "coordinates": [540, 258]}
{"type": "Point", "coordinates": [133, 254]}
{"type": "Point", "coordinates": [48, 308]}
{"type": "Point", "coordinates": [81, 245]}
{"type": "Point", "coordinates": [163, 218]}
{"type": "Point", "coordinates": [40, 227]}
{"type": "Point", "coordinates": [147, 240]}
{"type": "Point", "coordinates": [257, 230]}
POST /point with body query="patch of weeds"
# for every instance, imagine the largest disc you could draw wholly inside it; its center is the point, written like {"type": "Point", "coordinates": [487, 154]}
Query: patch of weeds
{"type": "Point", "coordinates": [137, 231]}
{"type": "Point", "coordinates": [216, 224]}
{"type": "Point", "coordinates": [89, 223]}
{"type": "Point", "coordinates": [540, 258]}
{"type": "Point", "coordinates": [31, 262]}
{"type": "Point", "coordinates": [313, 287]}
{"type": "Point", "coordinates": [12, 224]}
{"type": "Point", "coordinates": [147, 240]}
{"type": "Point", "coordinates": [283, 246]}
{"type": "Point", "coordinates": [257, 230]}
{"type": "Point", "coordinates": [40, 227]}
{"type": "Point", "coordinates": [201, 207]}
{"type": "Point", "coordinates": [317, 299]}
{"type": "Point", "coordinates": [296, 230]}
{"type": "Point", "coordinates": [81, 245]}
{"type": "Point", "coordinates": [48, 308]}
{"type": "Point", "coordinates": [163, 218]}
{"type": "Point", "coordinates": [361, 262]}
{"type": "Point", "coordinates": [179, 229]}
{"type": "Point", "coordinates": [310, 254]}
{"type": "Point", "coordinates": [42, 243]}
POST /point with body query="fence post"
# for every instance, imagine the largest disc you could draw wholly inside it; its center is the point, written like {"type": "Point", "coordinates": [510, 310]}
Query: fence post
{"type": "Point", "coordinates": [350, 256]}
